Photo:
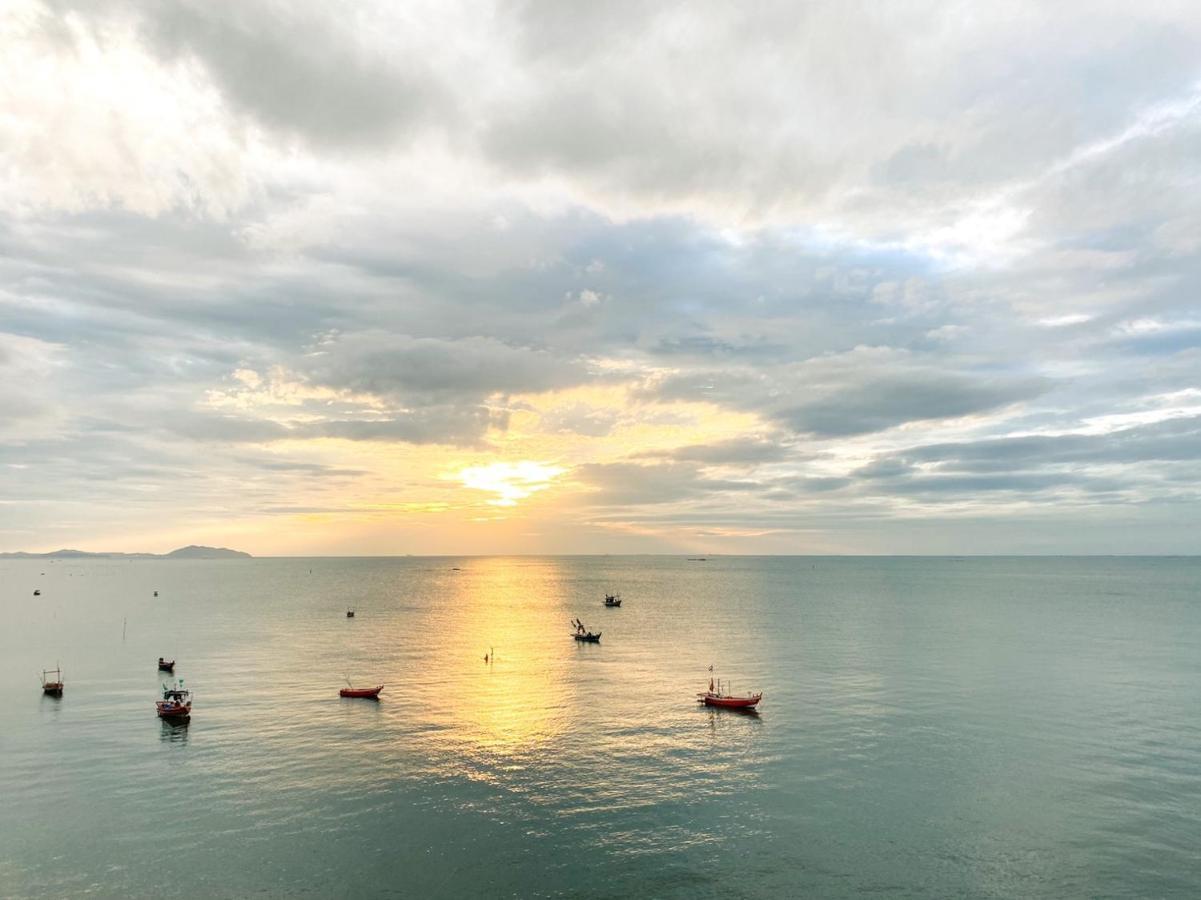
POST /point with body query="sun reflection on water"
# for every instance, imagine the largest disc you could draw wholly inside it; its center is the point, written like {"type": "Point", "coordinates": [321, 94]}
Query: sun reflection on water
{"type": "Point", "coordinates": [516, 702]}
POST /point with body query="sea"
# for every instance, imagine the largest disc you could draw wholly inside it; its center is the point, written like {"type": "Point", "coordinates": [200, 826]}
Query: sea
{"type": "Point", "coordinates": [930, 727]}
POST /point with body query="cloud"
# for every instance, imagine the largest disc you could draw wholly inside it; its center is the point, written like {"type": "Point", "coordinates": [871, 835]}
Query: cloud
{"type": "Point", "coordinates": [617, 484]}
{"type": "Point", "coordinates": [455, 425]}
{"type": "Point", "coordinates": [885, 400]}
{"type": "Point", "coordinates": [1158, 461]}
{"type": "Point", "coordinates": [303, 69]}
{"type": "Point", "coordinates": [738, 451]}
{"type": "Point", "coordinates": [403, 367]}
{"type": "Point", "coordinates": [801, 278]}
{"type": "Point", "coordinates": [861, 391]}
{"type": "Point", "coordinates": [580, 418]}
{"type": "Point", "coordinates": [1172, 440]}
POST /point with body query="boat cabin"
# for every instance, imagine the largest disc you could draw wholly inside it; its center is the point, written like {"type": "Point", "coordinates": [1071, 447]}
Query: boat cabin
{"type": "Point", "coordinates": [52, 686]}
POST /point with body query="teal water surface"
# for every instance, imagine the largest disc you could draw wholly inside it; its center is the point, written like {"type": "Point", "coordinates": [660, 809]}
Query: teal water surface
{"type": "Point", "coordinates": [981, 727]}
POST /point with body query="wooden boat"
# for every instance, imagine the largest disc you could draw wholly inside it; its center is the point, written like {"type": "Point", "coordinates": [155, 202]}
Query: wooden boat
{"type": "Point", "coordinates": [717, 695]}
{"type": "Point", "coordinates": [37, 592]}
{"type": "Point", "coordinates": [165, 665]}
{"type": "Point", "coordinates": [350, 613]}
{"type": "Point", "coordinates": [730, 702]}
{"type": "Point", "coordinates": [53, 688]}
{"type": "Point", "coordinates": [583, 634]}
{"type": "Point", "coordinates": [176, 702]}
{"type": "Point", "coordinates": [612, 599]}
{"type": "Point", "coordinates": [366, 693]}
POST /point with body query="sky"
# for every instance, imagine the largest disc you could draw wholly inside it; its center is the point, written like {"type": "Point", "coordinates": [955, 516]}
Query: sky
{"type": "Point", "coordinates": [565, 277]}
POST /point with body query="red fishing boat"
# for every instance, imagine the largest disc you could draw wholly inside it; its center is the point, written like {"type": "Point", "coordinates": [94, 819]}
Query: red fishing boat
{"type": "Point", "coordinates": [719, 695]}
{"type": "Point", "coordinates": [176, 702]}
{"type": "Point", "coordinates": [366, 693]}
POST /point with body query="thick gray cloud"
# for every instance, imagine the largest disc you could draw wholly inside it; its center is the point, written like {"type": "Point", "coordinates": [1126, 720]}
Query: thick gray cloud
{"type": "Point", "coordinates": [312, 72]}
{"type": "Point", "coordinates": [884, 400]}
{"type": "Point", "coordinates": [861, 392]}
{"type": "Point", "coordinates": [1173, 440]}
{"type": "Point", "coordinates": [439, 370]}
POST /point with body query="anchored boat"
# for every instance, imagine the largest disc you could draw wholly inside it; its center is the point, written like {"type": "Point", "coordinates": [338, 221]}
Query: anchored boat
{"type": "Point", "coordinates": [612, 599]}
{"type": "Point", "coordinates": [719, 695]}
{"type": "Point", "coordinates": [176, 702]}
{"type": "Point", "coordinates": [166, 665]}
{"type": "Point", "coordinates": [366, 693]}
{"type": "Point", "coordinates": [583, 634]}
{"type": "Point", "coordinates": [52, 687]}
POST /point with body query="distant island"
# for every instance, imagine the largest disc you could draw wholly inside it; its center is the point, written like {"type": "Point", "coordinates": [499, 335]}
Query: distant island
{"type": "Point", "coordinates": [192, 551]}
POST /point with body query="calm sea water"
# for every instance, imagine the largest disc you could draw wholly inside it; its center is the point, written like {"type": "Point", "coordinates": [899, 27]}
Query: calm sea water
{"type": "Point", "coordinates": [930, 727]}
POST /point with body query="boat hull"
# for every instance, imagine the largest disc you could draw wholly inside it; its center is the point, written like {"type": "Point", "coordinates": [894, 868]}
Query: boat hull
{"type": "Point", "coordinates": [731, 702]}
{"type": "Point", "coordinates": [54, 690]}
{"type": "Point", "coordinates": [365, 693]}
{"type": "Point", "coordinates": [588, 638]}
{"type": "Point", "coordinates": [173, 710]}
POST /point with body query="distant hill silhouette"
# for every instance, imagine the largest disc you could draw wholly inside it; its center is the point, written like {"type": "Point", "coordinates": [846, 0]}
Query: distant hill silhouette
{"type": "Point", "coordinates": [192, 551]}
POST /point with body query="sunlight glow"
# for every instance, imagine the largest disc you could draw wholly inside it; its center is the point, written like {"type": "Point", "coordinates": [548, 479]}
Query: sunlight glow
{"type": "Point", "coordinates": [510, 481]}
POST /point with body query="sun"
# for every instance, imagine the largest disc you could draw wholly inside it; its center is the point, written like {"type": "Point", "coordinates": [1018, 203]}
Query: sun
{"type": "Point", "coordinates": [510, 482]}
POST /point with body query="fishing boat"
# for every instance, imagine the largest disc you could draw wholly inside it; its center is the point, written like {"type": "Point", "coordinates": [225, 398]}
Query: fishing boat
{"type": "Point", "coordinates": [350, 613]}
{"type": "Point", "coordinates": [37, 592]}
{"type": "Point", "coordinates": [166, 665]}
{"type": "Point", "coordinates": [365, 693]}
{"type": "Point", "coordinates": [53, 688]}
{"type": "Point", "coordinates": [719, 695]}
{"type": "Point", "coordinates": [176, 703]}
{"type": "Point", "coordinates": [612, 599]}
{"type": "Point", "coordinates": [583, 634]}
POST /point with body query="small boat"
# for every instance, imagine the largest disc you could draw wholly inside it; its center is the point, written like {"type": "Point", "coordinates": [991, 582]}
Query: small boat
{"type": "Point", "coordinates": [176, 702]}
{"type": "Point", "coordinates": [350, 613]}
{"type": "Point", "coordinates": [37, 592]}
{"type": "Point", "coordinates": [53, 688]}
{"type": "Point", "coordinates": [156, 593]}
{"type": "Point", "coordinates": [166, 665]}
{"type": "Point", "coordinates": [365, 693]}
{"type": "Point", "coordinates": [612, 599]}
{"type": "Point", "coordinates": [717, 695]}
{"type": "Point", "coordinates": [730, 702]}
{"type": "Point", "coordinates": [583, 634]}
